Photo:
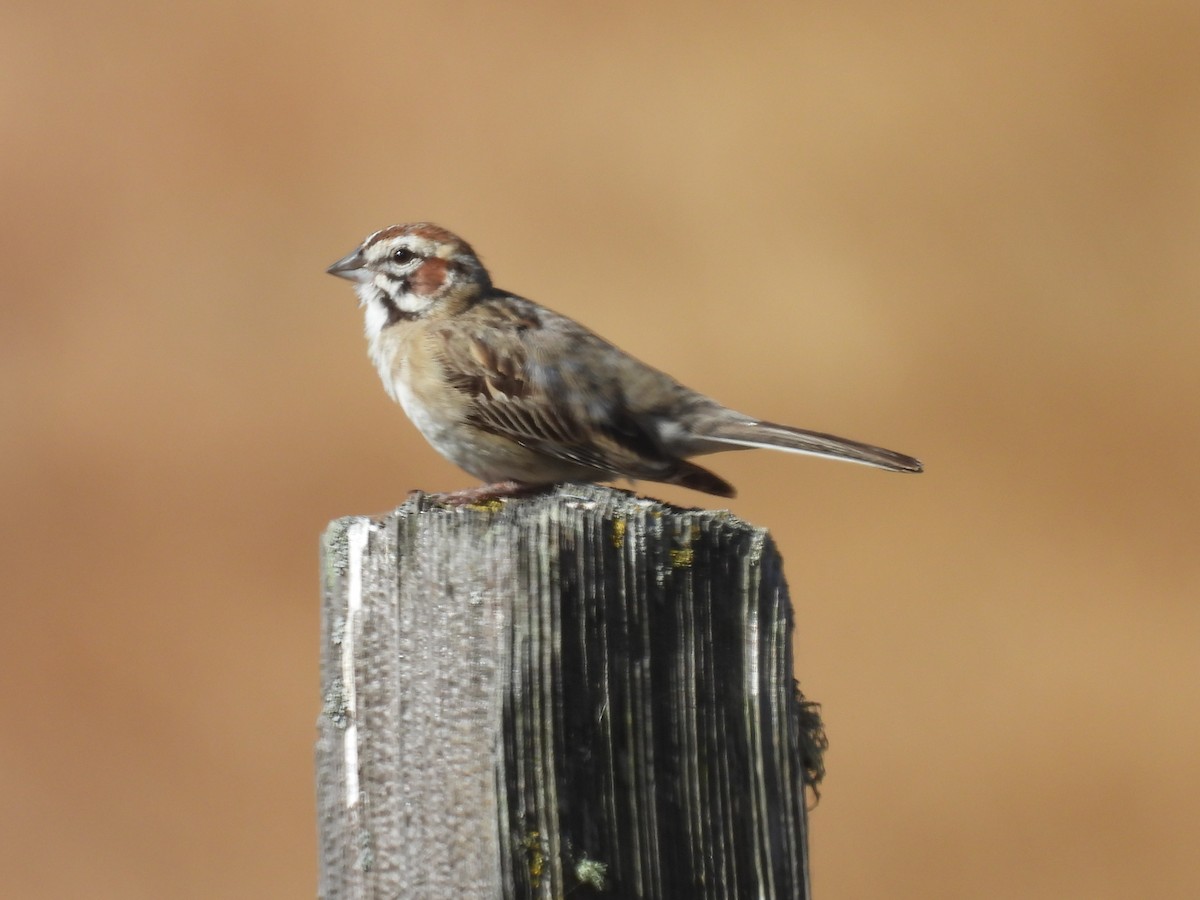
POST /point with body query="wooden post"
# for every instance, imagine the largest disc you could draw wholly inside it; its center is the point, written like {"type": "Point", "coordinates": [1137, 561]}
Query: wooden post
{"type": "Point", "coordinates": [577, 694]}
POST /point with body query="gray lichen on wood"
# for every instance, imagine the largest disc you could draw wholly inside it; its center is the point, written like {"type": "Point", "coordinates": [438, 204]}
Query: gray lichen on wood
{"type": "Point", "coordinates": [582, 693]}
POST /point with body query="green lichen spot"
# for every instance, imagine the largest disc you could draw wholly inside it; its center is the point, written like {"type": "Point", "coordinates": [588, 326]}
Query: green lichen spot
{"type": "Point", "coordinates": [336, 552]}
{"type": "Point", "coordinates": [365, 860]}
{"type": "Point", "coordinates": [335, 708]}
{"type": "Point", "coordinates": [592, 873]}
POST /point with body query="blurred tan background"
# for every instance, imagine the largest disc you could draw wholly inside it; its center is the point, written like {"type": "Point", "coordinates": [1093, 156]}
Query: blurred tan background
{"type": "Point", "coordinates": [966, 231]}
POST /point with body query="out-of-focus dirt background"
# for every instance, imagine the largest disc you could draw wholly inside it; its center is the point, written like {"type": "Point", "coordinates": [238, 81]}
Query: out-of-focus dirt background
{"type": "Point", "coordinates": [967, 231]}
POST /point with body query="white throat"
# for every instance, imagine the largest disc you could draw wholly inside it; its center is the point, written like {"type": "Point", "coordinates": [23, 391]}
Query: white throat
{"type": "Point", "coordinates": [376, 314]}
{"type": "Point", "coordinates": [371, 294]}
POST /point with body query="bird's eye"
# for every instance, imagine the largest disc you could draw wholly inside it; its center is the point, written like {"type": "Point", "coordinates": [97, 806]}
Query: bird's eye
{"type": "Point", "coordinates": [404, 256]}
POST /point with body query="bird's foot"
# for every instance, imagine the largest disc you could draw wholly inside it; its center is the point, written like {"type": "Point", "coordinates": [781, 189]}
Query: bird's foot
{"type": "Point", "coordinates": [488, 493]}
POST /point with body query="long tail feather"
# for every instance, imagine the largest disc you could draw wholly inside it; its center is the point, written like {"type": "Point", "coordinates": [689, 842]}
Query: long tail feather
{"type": "Point", "coordinates": [770, 435]}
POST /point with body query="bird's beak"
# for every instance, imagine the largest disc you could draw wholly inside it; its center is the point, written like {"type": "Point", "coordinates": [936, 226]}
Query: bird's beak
{"type": "Point", "coordinates": [350, 267]}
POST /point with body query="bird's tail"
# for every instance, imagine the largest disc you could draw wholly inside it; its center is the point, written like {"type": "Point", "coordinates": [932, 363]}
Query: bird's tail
{"type": "Point", "coordinates": [727, 435]}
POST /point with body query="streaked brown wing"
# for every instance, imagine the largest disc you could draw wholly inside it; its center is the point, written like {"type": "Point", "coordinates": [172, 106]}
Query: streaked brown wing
{"type": "Point", "coordinates": [531, 376]}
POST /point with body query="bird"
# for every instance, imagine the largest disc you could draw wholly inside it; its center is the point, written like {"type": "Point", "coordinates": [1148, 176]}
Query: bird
{"type": "Point", "coordinates": [523, 397]}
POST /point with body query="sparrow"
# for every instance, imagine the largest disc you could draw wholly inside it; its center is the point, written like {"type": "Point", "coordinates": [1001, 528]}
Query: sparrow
{"type": "Point", "coordinates": [523, 397]}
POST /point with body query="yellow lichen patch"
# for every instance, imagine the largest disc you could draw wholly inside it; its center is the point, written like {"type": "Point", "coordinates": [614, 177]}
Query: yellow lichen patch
{"type": "Point", "coordinates": [536, 858]}
{"type": "Point", "coordinates": [682, 558]}
{"type": "Point", "coordinates": [618, 535]}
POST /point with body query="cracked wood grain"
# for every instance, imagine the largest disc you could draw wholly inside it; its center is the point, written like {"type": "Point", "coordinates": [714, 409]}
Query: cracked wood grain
{"type": "Point", "coordinates": [577, 694]}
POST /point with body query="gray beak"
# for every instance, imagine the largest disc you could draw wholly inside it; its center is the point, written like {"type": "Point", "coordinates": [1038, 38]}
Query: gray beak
{"type": "Point", "coordinates": [350, 267]}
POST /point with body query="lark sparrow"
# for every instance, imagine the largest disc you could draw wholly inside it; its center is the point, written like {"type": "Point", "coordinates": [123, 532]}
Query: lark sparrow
{"type": "Point", "coordinates": [519, 395]}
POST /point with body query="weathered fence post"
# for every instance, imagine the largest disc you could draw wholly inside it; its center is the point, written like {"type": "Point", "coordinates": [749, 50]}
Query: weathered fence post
{"type": "Point", "coordinates": [578, 694]}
